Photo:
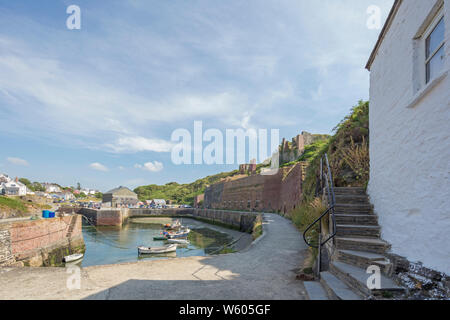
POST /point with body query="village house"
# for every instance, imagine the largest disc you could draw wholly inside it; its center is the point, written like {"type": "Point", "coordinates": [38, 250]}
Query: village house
{"type": "Point", "coordinates": [4, 178]}
{"type": "Point", "coordinates": [120, 197]}
{"type": "Point", "coordinates": [158, 202]}
{"type": "Point", "coordinates": [13, 188]}
{"type": "Point", "coordinates": [409, 131]}
{"type": "Point", "coordinates": [51, 188]}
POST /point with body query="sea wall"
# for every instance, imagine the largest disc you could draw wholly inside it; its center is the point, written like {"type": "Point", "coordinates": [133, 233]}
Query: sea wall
{"type": "Point", "coordinates": [280, 192]}
{"type": "Point", "coordinates": [242, 221]}
{"type": "Point", "coordinates": [42, 242]}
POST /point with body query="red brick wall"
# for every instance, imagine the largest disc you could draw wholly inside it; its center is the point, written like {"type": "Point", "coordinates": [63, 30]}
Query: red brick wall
{"type": "Point", "coordinates": [31, 235]}
{"type": "Point", "coordinates": [280, 192]}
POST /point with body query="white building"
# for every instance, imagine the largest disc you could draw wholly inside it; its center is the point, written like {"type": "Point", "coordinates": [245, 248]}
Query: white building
{"type": "Point", "coordinates": [410, 131]}
{"type": "Point", "coordinates": [4, 178]}
{"type": "Point", "coordinates": [14, 188]}
{"type": "Point", "coordinates": [51, 188]}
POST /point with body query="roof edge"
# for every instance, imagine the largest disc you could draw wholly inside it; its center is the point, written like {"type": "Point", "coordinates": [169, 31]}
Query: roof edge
{"type": "Point", "coordinates": [383, 32]}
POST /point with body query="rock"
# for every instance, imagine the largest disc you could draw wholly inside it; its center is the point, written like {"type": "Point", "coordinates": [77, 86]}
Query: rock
{"type": "Point", "coordinates": [305, 277]}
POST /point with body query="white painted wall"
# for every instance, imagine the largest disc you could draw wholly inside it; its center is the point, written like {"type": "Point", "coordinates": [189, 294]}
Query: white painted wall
{"type": "Point", "coordinates": [410, 147]}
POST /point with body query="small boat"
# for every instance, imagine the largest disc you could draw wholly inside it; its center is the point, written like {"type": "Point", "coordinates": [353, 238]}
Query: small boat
{"type": "Point", "coordinates": [73, 257]}
{"type": "Point", "coordinates": [159, 238]}
{"type": "Point", "coordinates": [178, 241]}
{"type": "Point", "coordinates": [152, 250]}
{"type": "Point", "coordinates": [180, 234]}
{"type": "Point", "coordinates": [173, 226]}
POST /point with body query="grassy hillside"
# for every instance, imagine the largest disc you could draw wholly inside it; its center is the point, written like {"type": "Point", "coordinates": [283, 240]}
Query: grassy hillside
{"type": "Point", "coordinates": [19, 207]}
{"type": "Point", "coordinates": [180, 193]}
{"type": "Point", "coordinates": [348, 152]}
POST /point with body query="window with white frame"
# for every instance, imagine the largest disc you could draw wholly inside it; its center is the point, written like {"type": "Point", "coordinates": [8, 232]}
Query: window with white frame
{"type": "Point", "coordinates": [434, 48]}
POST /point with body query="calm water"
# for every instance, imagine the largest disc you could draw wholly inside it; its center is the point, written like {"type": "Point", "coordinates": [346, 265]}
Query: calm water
{"type": "Point", "coordinates": [108, 245]}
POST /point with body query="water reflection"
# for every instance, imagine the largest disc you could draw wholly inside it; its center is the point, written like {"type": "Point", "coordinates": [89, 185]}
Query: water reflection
{"type": "Point", "coordinates": [108, 245]}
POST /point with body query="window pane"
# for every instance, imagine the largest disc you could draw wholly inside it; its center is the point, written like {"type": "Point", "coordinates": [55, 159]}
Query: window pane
{"type": "Point", "coordinates": [435, 38]}
{"type": "Point", "coordinates": [435, 65]}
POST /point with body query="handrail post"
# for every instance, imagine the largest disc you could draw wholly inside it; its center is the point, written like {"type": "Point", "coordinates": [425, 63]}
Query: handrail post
{"type": "Point", "coordinates": [319, 256]}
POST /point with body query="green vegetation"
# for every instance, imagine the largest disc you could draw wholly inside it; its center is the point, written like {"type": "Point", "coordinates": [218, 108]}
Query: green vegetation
{"type": "Point", "coordinates": [257, 228]}
{"type": "Point", "coordinates": [348, 153]}
{"type": "Point", "coordinates": [180, 193]}
{"type": "Point", "coordinates": [13, 204]}
{"type": "Point", "coordinates": [35, 186]}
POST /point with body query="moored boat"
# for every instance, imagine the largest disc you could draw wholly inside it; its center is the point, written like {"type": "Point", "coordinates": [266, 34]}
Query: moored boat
{"type": "Point", "coordinates": [161, 238]}
{"type": "Point", "coordinates": [73, 257]}
{"type": "Point", "coordinates": [154, 250]}
{"type": "Point", "coordinates": [180, 234]}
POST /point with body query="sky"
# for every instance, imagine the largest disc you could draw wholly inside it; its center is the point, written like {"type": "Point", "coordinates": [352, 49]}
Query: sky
{"type": "Point", "coordinates": [98, 105]}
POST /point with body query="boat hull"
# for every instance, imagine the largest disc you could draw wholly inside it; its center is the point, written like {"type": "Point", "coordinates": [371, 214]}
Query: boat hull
{"type": "Point", "coordinates": [73, 257]}
{"type": "Point", "coordinates": [156, 250]}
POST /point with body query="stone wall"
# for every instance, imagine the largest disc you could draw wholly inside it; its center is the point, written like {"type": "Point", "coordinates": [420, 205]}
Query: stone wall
{"type": "Point", "coordinates": [40, 242]}
{"type": "Point", "coordinates": [6, 257]}
{"type": "Point", "coordinates": [242, 221]}
{"type": "Point", "coordinates": [280, 192]}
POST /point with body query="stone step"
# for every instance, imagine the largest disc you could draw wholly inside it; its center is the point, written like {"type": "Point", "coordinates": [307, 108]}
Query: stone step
{"type": "Point", "coordinates": [363, 259]}
{"type": "Point", "coordinates": [356, 231]}
{"type": "Point", "coordinates": [357, 219]}
{"type": "Point", "coordinates": [352, 199]}
{"type": "Point", "coordinates": [351, 208]}
{"type": "Point", "coordinates": [336, 289]}
{"type": "Point", "coordinates": [349, 190]}
{"type": "Point", "coordinates": [315, 290]}
{"type": "Point", "coordinates": [362, 244]}
{"type": "Point", "coordinates": [356, 278]}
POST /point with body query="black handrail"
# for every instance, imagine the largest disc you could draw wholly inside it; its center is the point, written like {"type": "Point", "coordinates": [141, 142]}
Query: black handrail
{"type": "Point", "coordinates": [326, 182]}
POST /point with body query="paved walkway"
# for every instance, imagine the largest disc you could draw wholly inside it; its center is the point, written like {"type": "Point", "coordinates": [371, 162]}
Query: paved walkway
{"type": "Point", "coordinates": [266, 270]}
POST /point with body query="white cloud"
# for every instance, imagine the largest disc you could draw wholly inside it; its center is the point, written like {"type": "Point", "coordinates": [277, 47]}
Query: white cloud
{"type": "Point", "coordinates": [17, 161]}
{"type": "Point", "coordinates": [138, 144]}
{"type": "Point", "coordinates": [98, 166]}
{"type": "Point", "coordinates": [155, 166]}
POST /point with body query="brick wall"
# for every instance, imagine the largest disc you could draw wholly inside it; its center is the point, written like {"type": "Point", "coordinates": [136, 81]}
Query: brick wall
{"type": "Point", "coordinates": [34, 240]}
{"type": "Point", "coordinates": [280, 192]}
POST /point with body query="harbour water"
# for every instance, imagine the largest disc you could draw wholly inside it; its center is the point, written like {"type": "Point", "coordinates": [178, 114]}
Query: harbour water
{"type": "Point", "coordinates": [109, 245]}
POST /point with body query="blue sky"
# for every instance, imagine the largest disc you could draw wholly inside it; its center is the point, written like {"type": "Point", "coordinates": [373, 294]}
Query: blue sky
{"type": "Point", "coordinates": [97, 104]}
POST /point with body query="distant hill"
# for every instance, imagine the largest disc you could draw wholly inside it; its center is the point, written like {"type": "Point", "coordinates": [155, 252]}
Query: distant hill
{"type": "Point", "coordinates": [180, 193]}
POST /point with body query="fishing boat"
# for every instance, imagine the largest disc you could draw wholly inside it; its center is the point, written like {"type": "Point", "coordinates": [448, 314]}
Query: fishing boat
{"type": "Point", "coordinates": [73, 257]}
{"type": "Point", "coordinates": [153, 250]}
{"type": "Point", "coordinates": [173, 226]}
{"type": "Point", "coordinates": [180, 234]}
{"type": "Point", "coordinates": [178, 241]}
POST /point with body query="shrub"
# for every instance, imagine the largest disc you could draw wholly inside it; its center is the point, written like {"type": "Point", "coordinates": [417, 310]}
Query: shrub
{"type": "Point", "coordinates": [306, 214]}
{"type": "Point", "coordinates": [356, 156]}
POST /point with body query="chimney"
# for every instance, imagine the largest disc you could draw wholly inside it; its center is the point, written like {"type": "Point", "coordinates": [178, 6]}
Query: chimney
{"type": "Point", "coordinates": [17, 179]}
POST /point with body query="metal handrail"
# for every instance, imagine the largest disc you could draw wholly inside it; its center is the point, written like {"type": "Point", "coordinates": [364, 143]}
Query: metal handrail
{"type": "Point", "coordinates": [326, 182]}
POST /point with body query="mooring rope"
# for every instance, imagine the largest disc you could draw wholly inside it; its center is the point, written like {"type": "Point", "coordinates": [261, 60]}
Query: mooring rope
{"type": "Point", "coordinates": [104, 235]}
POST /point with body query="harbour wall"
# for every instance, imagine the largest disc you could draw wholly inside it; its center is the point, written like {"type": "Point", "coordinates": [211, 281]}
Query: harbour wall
{"type": "Point", "coordinates": [42, 242]}
{"type": "Point", "coordinates": [280, 192]}
{"type": "Point", "coordinates": [239, 220]}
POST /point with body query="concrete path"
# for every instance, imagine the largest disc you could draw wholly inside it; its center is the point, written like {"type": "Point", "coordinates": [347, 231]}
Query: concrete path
{"type": "Point", "coordinates": [266, 270]}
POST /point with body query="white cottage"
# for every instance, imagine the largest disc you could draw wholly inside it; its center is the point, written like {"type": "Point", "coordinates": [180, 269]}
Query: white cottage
{"type": "Point", "coordinates": [410, 131]}
{"type": "Point", "coordinates": [14, 188]}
